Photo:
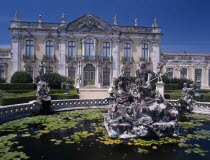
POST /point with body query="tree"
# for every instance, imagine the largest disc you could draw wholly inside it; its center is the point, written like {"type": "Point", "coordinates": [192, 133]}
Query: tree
{"type": "Point", "coordinates": [21, 77]}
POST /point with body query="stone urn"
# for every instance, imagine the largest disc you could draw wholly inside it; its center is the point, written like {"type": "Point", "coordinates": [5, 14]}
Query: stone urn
{"type": "Point", "coordinates": [67, 88]}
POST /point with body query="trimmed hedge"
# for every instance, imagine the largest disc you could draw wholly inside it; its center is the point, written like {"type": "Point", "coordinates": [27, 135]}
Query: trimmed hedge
{"type": "Point", "coordinates": [64, 96]}
{"type": "Point", "coordinates": [172, 96]}
{"type": "Point", "coordinates": [19, 91]}
{"type": "Point", "coordinates": [18, 86]}
{"type": "Point", "coordinates": [16, 100]}
{"type": "Point", "coordinates": [26, 96]}
{"type": "Point", "coordinates": [169, 86]}
{"type": "Point", "coordinates": [172, 87]}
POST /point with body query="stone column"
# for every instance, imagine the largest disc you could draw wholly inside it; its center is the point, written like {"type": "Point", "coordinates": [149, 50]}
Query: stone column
{"type": "Point", "coordinates": [156, 56]}
{"type": "Point", "coordinates": [116, 59]}
{"type": "Point", "coordinates": [160, 88]}
{"type": "Point", "coordinates": [15, 59]}
{"type": "Point", "coordinates": [62, 57]}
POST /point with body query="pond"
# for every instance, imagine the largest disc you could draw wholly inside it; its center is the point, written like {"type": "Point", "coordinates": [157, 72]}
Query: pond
{"type": "Point", "coordinates": [81, 135]}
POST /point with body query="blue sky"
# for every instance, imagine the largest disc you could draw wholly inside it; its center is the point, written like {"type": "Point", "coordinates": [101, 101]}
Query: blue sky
{"type": "Point", "coordinates": [185, 23]}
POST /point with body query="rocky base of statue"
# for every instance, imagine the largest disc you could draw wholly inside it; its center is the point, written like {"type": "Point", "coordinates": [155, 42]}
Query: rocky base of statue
{"type": "Point", "coordinates": [43, 97]}
{"type": "Point", "coordinates": [141, 120]}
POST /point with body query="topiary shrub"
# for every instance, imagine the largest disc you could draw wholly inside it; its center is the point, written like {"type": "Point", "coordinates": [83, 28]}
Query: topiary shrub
{"type": "Point", "coordinates": [21, 77]}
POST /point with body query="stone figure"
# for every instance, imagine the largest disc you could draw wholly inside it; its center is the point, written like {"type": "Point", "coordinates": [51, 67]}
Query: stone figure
{"type": "Point", "coordinates": [111, 91]}
{"type": "Point", "coordinates": [142, 74]}
{"type": "Point", "coordinates": [41, 71]}
{"type": "Point", "coordinates": [187, 98]}
{"type": "Point", "coordinates": [159, 71]}
{"type": "Point", "coordinates": [138, 112]}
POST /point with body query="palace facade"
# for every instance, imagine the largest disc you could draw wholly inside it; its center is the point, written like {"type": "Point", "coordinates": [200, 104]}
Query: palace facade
{"type": "Point", "coordinates": [94, 52]}
{"type": "Point", "coordinates": [88, 49]}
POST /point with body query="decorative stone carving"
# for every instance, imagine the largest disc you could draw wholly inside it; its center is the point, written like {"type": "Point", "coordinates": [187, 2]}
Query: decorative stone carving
{"type": "Point", "coordinates": [187, 99]}
{"type": "Point", "coordinates": [139, 112]}
{"type": "Point", "coordinates": [43, 91]}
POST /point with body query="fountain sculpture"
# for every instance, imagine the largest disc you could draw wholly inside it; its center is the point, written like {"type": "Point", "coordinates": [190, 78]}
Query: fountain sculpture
{"type": "Point", "coordinates": [140, 112]}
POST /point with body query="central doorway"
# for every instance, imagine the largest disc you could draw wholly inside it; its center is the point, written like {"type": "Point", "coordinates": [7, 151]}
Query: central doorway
{"type": "Point", "coordinates": [89, 75]}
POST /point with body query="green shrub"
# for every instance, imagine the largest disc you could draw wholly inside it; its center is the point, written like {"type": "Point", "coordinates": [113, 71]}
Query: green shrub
{"type": "Point", "coordinates": [17, 86]}
{"type": "Point", "coordinates": [54, 80]}
{"type": "Point", "coordinates": [124, 79]}
{"type": "Point", "coordinates": [173, 83]}
{"type": "Point", "coordinates": [2, 80]}
{"type": "Point", "coordinates": [21, 77]}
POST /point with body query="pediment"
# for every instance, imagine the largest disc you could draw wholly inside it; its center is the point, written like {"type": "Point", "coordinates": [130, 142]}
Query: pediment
{"type": "Point", "coordinates": [88, 23]}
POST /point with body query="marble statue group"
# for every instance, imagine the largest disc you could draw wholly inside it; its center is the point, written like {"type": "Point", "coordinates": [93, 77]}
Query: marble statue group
{"type": "Point", "coordinates": [138, 111]}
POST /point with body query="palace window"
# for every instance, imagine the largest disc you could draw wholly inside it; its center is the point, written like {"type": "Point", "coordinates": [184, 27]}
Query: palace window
{"type": "Point", "coordinates": [89, 47]}
{"type": "Point", "coordinates": [71, 72]}
{"type": "Point", "coordinates": [127, 71]}
{"type": "Point", "coordinates": [30, 71]}
{"type": "Point", "coordinates": [127, 50]}
{"type": "Point", "coordinates": [49, 69]}
{"type": "Point", "coordinates": [2, 72]}
{"type": "Point", "coordinates": [72, 49]}
{"type": "Point", "coordinates": [144, 52]}
{"type": "Point", "coordinates": [169, 72]}
{"type": "Point", "coordinates": [106, 49]}
{"type": "Point", "coordinates": [183, 73]}
{"type": "Point", "coordinates": [49, 48]}
{"type": "Point", "coordinates": [198, 75]}
{"type": "Point", "coordinates": [29, 48]}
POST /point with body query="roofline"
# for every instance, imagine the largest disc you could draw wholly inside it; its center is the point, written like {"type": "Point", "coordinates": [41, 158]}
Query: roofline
{"type": "Point", "coordinates": [187, 54]}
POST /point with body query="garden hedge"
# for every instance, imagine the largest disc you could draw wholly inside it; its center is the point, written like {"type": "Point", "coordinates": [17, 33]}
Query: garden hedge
{"type": "Point", "coordinates": [18, 86]}
{"type": "Point", "coordinates": [25, 99]}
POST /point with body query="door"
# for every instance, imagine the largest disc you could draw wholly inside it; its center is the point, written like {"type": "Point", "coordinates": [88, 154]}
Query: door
{"type": "Point", "coordinates": [89, 75]}
{"type": "Point", "coordinates": [106, 76]}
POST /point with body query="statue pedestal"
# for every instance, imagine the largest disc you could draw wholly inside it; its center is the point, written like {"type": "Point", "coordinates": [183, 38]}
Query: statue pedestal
{"type": "Point", "coordinates": [160, 88]}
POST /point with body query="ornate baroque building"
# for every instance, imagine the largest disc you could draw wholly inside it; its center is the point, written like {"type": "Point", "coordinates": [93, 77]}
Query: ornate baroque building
{"type": "Point", "coordinates": [88, 49]}
{"type": "Point", "coordinates": [94, 52]}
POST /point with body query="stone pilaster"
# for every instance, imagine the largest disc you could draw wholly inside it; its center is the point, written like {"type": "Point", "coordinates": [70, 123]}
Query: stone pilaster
{"type": "Point", "coordinates": [15, 58]}
{"type": "Point", "coordinates": [62, 57]}
{"type": "Point", "coordinates": [156, 56]}
{"type": "Point", "coordinates": [116, 59]}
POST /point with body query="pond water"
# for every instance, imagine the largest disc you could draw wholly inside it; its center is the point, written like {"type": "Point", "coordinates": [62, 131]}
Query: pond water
{"type": "Point", "coordinates": [81, 135]}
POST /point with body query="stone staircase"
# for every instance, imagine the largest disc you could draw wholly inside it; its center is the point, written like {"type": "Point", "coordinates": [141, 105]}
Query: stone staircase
{"type": "Point", "coordinates": [93, 93]}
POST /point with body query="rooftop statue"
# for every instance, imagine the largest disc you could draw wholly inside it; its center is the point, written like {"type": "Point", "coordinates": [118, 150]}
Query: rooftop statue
{"type": "Point", "coordinates": [138, 111]}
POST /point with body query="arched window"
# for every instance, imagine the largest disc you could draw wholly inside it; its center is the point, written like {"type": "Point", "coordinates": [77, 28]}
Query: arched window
{"type": "Point", "coordinates": [144, 52]}
{"type": "Point", "coordinates": [29, 48]}
{"type": "Point", "coordinates": [49, 48]}
{"type": "Point", "coordinates": [72, 49]}
{"type": "Point", "coordinates": [89, 47]}
{"type": "Point", "coordinates": [183, 73]}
